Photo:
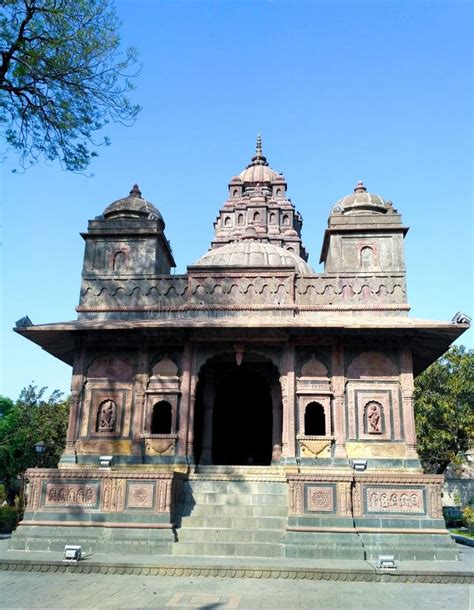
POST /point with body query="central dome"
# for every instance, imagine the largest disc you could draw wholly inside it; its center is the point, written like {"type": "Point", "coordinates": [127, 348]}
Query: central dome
{"type": "Point", "coordinates": [251, 253]}
{"type": "Point", "coordinates": [258, 169]}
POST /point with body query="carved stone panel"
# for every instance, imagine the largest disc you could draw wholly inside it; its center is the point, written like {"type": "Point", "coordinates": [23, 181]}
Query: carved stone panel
{"type": "Point", "coordinates": [386, 499]}
{"type": "Point", "coordinates": [140, 494]}
{"type": "Point", "coordinates": [71, 495]}
{"type": "Point", "coordinates": [320, 498]}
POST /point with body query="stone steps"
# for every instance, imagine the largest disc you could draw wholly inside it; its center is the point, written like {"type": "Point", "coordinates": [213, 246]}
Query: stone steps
{"type": "Point", "coordinates": [228, 549]}
{"type": "Point", "coordinates": [231, 518]}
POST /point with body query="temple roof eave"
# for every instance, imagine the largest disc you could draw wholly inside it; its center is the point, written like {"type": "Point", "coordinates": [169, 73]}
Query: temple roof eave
{"type": "Point", "coordinates": [430, 339]}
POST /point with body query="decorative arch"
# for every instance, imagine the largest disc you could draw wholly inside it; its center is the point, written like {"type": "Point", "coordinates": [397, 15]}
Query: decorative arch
{"type": "Point", "coordinates": [116, 368]}
{"type": "Point", "coordinates": [240, 219]}
{"type": "Point", "coordinates": [165, 367]}
{"type": "Point", "coordinates": [371, 364]}
{"type": "Point", "coordinates": [314, 368]}
{"type": "Point", "coordinates": [256, 217]}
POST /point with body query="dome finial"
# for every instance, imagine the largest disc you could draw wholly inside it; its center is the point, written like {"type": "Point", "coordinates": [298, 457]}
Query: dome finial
{"type": "Point", "coordinates": [135, 192]}
{"type": "Point", "coordinates": [258, 158]}
{"type": "Point", "coordinates": [360, 188]}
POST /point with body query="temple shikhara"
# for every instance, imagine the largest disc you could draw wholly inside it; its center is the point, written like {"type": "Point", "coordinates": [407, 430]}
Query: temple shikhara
{"type": "Point", "coordinates": [251, 407]}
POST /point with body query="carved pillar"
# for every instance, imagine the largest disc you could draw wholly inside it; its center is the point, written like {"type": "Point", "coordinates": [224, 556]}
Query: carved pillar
{"type": "Point", "coordinates": [338, 386]}
{"type": "Point", "coordinates": [406, 382]}
{"type": "Point", "coordinates": [208, 400]}
{"type": "Point", "coordinates": [141, 381]}
{"type": "Point", "coordinates": [288, 384]}
{"type": "Point", "coordinates": [276, 421]}
{"type": "Point", "coordinates": [192, 403]}
{"type": "Point", "coordinates": [77, 386]}
{"type": "Point", "coordinates": [183, 423]}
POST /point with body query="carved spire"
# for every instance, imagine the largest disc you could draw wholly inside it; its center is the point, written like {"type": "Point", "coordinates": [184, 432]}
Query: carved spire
{"type": "Point", "coordinates": [258, 158]}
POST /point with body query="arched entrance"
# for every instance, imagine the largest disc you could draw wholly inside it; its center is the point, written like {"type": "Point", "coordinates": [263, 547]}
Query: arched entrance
{"type": "Point", "coordinates": [237, 412]}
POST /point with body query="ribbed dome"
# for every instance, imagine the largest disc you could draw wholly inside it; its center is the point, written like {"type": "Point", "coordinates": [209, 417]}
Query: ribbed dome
{"type": "Point", "coordinates": [251, 253]}
{"type": "Point", "coordinates": [133, 206]}
{"type": "Point", "coordinates": [258, 173]}
{"type": "Point", "coordinates": [360, 201]}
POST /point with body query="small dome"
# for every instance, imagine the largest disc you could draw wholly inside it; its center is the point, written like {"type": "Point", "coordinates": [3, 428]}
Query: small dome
{"type": "Point", "coordinates": [360, 201]}
{"type": "Point", "coordinates": [251, 253]}
{"type": "Point", "coordinates": [258, 169]}
{"type": "Point", "coordinates": [133, 206]}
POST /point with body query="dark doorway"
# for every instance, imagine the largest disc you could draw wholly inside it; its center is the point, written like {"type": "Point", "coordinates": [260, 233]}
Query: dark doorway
{"type": "Point", "coordinates": [242, 414]}
{"type": "Point", "coordinates": [242, 427]}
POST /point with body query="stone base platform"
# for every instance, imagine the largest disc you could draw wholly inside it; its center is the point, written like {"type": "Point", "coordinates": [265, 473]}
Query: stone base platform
{"type": "Point", "coordinates": [440, 572]}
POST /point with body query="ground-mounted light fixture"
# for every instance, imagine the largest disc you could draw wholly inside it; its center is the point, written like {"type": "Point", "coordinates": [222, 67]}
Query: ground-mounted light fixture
{"type": "Point", "coordinates": [386, 562]}
{"type": "Point", "coordinates": [105, 461]}
{"type": "Point", "coordinates": [359, 465]}
{"type": "Point", "coordinates": [72, 552]}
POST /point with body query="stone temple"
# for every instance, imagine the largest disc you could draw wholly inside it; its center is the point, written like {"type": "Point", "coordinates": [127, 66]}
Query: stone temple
{"type": "Point", "coordinates": [251, 407]}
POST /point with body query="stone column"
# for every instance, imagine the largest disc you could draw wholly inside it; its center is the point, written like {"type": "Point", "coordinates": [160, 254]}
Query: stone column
{"type": "Point", "coordinates": [207, 429]}
{"type": "Point", "coordinates": [183, 422]}
{"type": "Point", "coordinates": [77, 386]}
{"type": "Point", "coordinates": [192, 403]}
{"type": "Point", "coordinates": [276, 421]}
{"type": "Point", "coordinates": [407, 385]}
{"type": "Point", "coordinates": [288, 384]}
{"type": "Point", "coordinates": [140, 385]}
{"type": "Point", "coordinates": [338, 386]}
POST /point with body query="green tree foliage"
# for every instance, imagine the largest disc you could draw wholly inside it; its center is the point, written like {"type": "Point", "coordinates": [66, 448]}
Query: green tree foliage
{"type": "Point", "coordinates": [62, 78]}
{"type": "Point", "coordinates": [444, 410]}
{"type": "Point", "coordinates": [32, 419]}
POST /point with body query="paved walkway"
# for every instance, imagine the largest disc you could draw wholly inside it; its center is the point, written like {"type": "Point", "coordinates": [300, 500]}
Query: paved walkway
{"type": "Point", "coordinates": [49, 589]}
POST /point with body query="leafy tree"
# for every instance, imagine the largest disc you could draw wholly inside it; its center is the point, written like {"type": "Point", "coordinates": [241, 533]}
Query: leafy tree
{"type": "Point", "coordinates": [6, 405]}
{"type": "Point", "coordinates": [32, 419]}
{"type": "Point", "coordinates": [62, 78]}
{"type": "Point", "coordinates": [444, 410]}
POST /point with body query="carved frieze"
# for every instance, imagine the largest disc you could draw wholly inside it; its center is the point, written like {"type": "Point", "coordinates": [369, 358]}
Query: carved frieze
{"type": "Point", "coordinates": [71, 495]}
{"type": "Point", "coordinates": [104, 447]}
{"type": "Point", "coordinates": [395, 500]}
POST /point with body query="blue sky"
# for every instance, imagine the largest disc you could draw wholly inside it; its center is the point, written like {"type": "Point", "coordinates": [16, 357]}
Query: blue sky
{"type": "Point", "coordinates": [341, 91]}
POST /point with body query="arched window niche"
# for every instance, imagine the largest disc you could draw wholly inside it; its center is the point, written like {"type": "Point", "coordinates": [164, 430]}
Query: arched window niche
{"type": "Point", "coordinates": [161, 418]}
{"type": "Point", "coordinates": [119, 262]}
{"type": "Point", "coordinates": [367, 258]}
{"type": "Point", "coordinates": [314, 420]}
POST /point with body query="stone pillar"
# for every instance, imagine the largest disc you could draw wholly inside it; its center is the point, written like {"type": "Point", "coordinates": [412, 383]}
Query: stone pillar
{"type": "Point", "coordinates": [192, 404]}
{"type": "Point", "coordinates": [338, 386]}
{"type": "Point", "coordinates": [183, 422]}
{"type": "Point", "coordinates": [288, 385]}
{"type": "Point", "coordinates": [141, 380]}
{"type": "Point", "coordinates": [207, 429]}
{"type": "Point", "coordinates": [276, 422]}
{"type": "Point", "coordinates": [77, 387]}
{"type": "Point", "coordinates": [407, 385]}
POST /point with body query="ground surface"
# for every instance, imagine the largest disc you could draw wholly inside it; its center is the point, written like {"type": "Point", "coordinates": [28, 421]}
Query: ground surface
{"type": "Point", "coordinates": [38, 590]}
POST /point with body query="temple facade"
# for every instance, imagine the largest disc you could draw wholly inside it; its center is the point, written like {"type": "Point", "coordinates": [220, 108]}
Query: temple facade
{"type": "Point", "coordinates": [250, 407]}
